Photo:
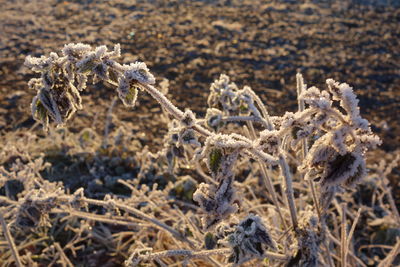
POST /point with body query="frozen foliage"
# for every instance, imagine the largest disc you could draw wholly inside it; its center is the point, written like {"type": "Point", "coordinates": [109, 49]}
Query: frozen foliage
{"type": "Point", "coordinates": [337, 157]}
{"type": "Point", "coordinates": [309, 240]}
{"type": "Point", "coordinates": [207, 173]}
{"type": "Point", "coordinates": [249, 239]}
{"type": "Point", "coordinates": [62, 79]}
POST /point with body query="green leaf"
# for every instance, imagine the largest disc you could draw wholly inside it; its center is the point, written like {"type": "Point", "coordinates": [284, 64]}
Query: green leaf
{"type": "Point", "coordinates": [41, 112]}
{"type": "Point", "coordinates": [113, 75]}
{"type": "Point", "coordinates": [130, 97]}
{"type": "Point", "coordinates": [215, 159]}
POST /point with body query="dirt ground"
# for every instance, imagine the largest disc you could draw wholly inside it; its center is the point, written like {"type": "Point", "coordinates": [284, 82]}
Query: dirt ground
{"type": "Point", "coordinates": [262, 45]}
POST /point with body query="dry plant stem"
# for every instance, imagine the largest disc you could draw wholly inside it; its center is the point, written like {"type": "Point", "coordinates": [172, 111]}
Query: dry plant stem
{"type": "Point", "coordinates": [10, 241]}
{"type": "Point", "coordinates": [138, 213]}
{"type": "Point", "coordinates": [165, 103]}
{"type": "Point", "coordinates": [97, 218]}
{"type": "Point", "coordinates": [391, 256]}
{"type": "Point", "coordinates": [268, 181]}
{"type": "Point", "coordinates": [204, 253]}
{"type": "Point", "coordinates": [337, 242]}
{"type": "Point", "coordinates": [391, 202]}
{"type": "Point", "coordinates": [8, 201]}
{"type": "Point", "coordinates": [304, 143]}
{"type": "Point", "coordinates": [152, 220]}
{"type": "Point", "coordinates": [283, 165]}
{"type": "Point", "coordinates": [288, 190]}
{"type": "Point", "coordinates": [24, 246]}
{"type": "Point", "coordinates": [62, 254]}
{"type": "Point", "coordinates": [353, 227]}
{"type": "Point", "coordinates": [263, 110]}
{"type": "Point", "coordinates": [343, 244]}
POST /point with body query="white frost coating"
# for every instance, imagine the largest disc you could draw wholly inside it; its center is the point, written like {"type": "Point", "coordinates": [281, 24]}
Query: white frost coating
{"type": "Point", "coordinates": [338, 137]}
{"type": "Point", "coordinates": [100, 51]}
{"type": "Point", "coordinates": [76, 50]}
{"type": "Point", "coordinates": [214, 118]}
{"type": "Point", "coordinates": [269, 141]}
{"type": "Point", "coordinates": [227, 141]}
{"type": "Point", "coordinates": [138, 71]}
{"type": "Point", "coordinates": [87, 62]}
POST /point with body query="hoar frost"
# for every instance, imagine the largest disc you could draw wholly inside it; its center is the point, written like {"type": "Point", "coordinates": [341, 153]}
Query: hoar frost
{"type": "Point", "coordinates": [333, 142]}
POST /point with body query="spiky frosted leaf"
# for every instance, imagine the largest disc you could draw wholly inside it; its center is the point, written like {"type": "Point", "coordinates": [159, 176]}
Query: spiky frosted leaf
{"type": "Point", "coordinates": [344, 167]}
{"type": "Point", "coordinates": [77, 100]}
{"type": "Point", "coordinates": [48, 79]}
{"type": "Point", "coordinates": [87, 64]}
{"type": "Point", "coordinates": [188, 137]}
{"type": "Point", "coordinates": [48, 102]}
{"type": "Point", "coordinates": [75, 50]}
{"type": "Point", "coordinates": [138, 71]}
{"type": "Point", "coordinates": [101, 70]}
{"type": "Point", "coordinates": [214, 118]}
{"type": "Point", "coordinates": [358, 175]}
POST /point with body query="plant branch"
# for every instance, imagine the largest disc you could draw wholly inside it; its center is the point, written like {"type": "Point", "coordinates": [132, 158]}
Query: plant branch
{"type": "Point", "coordinates": [10, 241]}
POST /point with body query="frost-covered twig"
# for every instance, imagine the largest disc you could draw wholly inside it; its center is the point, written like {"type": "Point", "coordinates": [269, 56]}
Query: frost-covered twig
{"type": "Point", "coordinates": [288, 190]}
{"type": "Point", "coordinates": [137, 257]}
{"type": "Point", "coordinates": [343, 244]}
{"type": "Point", "coordinates": [9, 238]}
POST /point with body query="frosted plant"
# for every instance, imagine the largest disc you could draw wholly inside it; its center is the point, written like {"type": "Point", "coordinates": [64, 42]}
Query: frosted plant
{"type": "Point", "coordinates": [249, 239]}
{"type": "Point", "coordinates": [326, 140]}
{"type": "Point", "coordinates": [338, 156]}
{"type": "Point", "coordinates": [309, 240]}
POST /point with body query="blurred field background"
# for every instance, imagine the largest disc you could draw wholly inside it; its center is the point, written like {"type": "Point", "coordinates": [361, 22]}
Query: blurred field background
{"type": "Point", "coordinates": [262, 44]}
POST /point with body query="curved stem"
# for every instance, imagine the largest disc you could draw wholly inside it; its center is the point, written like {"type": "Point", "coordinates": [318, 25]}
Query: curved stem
{"type": "Point", "coordinates": [288, 190]}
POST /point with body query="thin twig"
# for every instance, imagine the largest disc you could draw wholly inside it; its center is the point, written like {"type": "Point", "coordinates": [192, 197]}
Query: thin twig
{"type": "Point", "coordinates": [288, 190]}
{"type": "Point", "coordinates": [138, 213]}
{"type": "Point", "coordinates": [391, 256]}
{"type": "Point", "coordinates": [353, 227]}
{"type": "Point", "coordinates": [391, 202]}
{"type": "Point", "coordinates": [337, 242]}
{"type": "Point", "coordinates": [10, 241]}
{"type": "Point", "coordinates": [136, 257]}
{"type": "Point", "coordinates": [62, 254]}
{"type": "Point", "coordinates": [343, 244]}
{"type": "Point", "coordinates": [267, 181]}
